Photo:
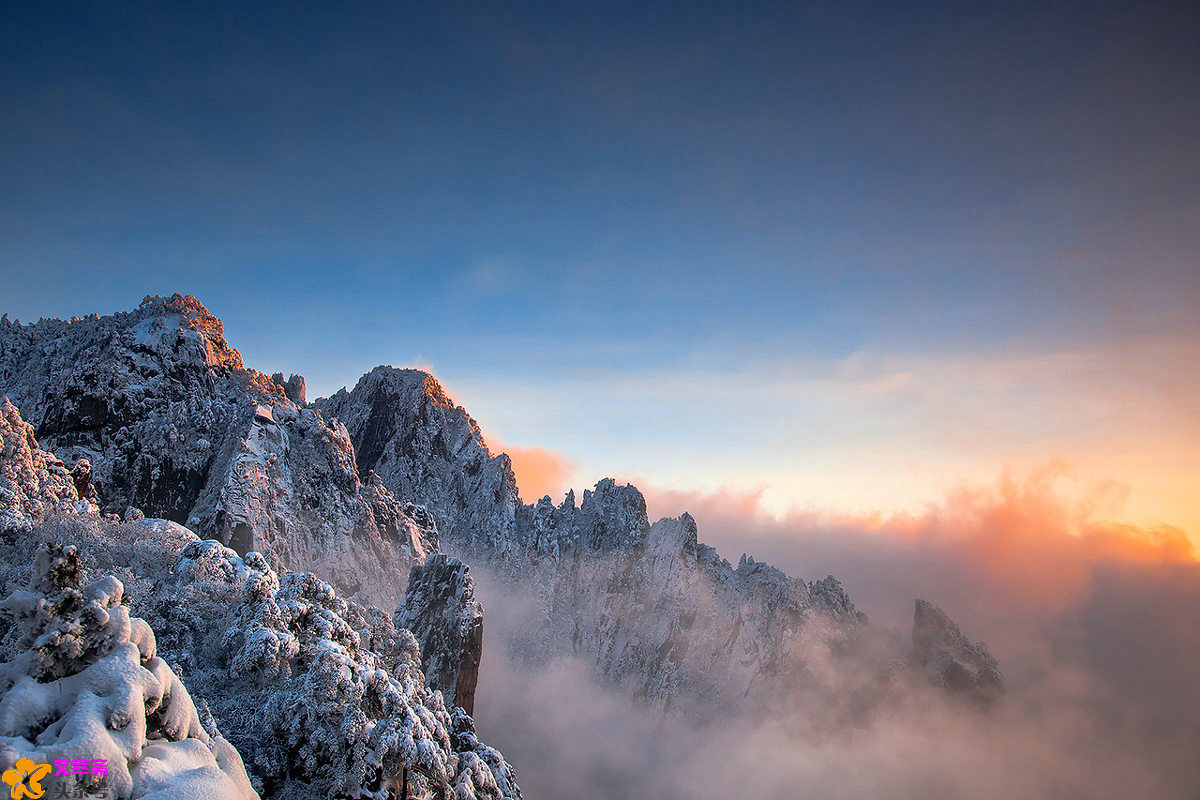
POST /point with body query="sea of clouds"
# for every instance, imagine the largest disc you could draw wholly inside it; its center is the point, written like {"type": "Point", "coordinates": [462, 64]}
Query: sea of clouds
{"type": "Point", "coordinates": [1095, 625]}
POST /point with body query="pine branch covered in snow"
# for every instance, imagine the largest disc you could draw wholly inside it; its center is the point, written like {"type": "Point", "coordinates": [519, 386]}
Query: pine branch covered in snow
{"type": "Point", "coordinates": [88, 685]}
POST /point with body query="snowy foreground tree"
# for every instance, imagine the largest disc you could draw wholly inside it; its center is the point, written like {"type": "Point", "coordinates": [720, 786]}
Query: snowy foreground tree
{"type": "Point", "coordinates": [88, 688]}
{"type": "Point", "coordinates": [322, 697]}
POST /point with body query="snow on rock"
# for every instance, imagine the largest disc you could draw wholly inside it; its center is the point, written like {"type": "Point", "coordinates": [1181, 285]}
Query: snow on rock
{"type": "Point", "coordinates": [293, 387]}
{"type": "Point", "coordinates": [88, 684]}
{"type": "Point", "coordinates": [649, 605]}
{"type": "Point", "coordinates": [322, 697]}
{"type": "Point", "coordinates": [341, 703]}
{"type": "Point", "coordinates": [440, 609]}
{"type": "Point", "coordinates": [32, 481]}
{"type": "Point", "coordinates": [359, 486]}
{"type": "Point", "coordinates": [428, 450]}
{"type": "Point", "coordinates": [172, 423]}
{"type": "Point", "coordinates": [950, 659]}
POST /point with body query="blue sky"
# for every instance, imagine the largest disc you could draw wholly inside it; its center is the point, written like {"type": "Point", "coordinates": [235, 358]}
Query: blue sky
{"type": "Point", "coordinates": [609, 216]}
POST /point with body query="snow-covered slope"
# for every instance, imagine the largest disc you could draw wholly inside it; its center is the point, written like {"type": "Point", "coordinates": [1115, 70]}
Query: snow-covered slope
{"type": "Point", "coordinates": [87, 686]}
{"type": "Point", "coordinates": [322, 697]}
{"type": "Point", "coordinates": [174, 425]}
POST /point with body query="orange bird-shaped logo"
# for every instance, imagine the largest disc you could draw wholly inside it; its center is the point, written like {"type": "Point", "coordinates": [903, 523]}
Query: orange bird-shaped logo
{"type": "Point", "coordinates": [26, 779]}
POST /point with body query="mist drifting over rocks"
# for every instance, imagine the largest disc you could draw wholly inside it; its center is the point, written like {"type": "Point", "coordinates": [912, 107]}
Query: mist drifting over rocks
{"type": "Point", "coordinates": [346, 554]}
{"type": "Point", "coordinates": [1101, 701]}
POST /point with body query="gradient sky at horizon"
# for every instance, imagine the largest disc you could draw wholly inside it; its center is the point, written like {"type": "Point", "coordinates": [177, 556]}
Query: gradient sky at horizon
{"type": "Point", "coordinates": [853, 255]}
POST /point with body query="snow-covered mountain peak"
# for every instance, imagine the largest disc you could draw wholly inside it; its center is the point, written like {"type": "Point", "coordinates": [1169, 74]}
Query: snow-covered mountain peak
{"type": "Point", "coordinates": [359, 486]}
{"type": "Point", "coordinates": [179, 328]}
{"type": "Point", "coordinates": [615, 515]}
{"type": "Point", "coordinates": [171, 423]}
{"type": "Point", "coordinates": [389, 401]}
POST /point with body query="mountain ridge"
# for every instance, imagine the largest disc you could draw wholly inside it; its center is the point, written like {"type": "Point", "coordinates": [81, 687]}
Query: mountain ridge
{"type": "Point", "coordinates": [321, 696]}
{"type": "Point", "coordinates": [361, 485]}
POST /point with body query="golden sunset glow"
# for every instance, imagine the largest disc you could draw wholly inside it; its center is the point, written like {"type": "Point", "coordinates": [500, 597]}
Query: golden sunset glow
{"type": "Point", "coordinates": [863, 336]}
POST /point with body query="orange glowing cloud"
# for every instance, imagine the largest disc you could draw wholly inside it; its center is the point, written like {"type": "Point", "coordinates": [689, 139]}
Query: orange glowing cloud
{"type": "Point", "coordinates": [539, 471]}
{"type": "Point", "coordinates": [1027, 544]}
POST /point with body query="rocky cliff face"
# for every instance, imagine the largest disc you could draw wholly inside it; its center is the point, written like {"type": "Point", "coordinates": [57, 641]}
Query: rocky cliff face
{"type": "Point", "coordinates": [440, 609]}
{"type": "Point", "coordinates": [654, 607]}
{"type": "Point", "coordinates": [423, 447]}
{"type": "Point", "coordinates": [172, 423]}
{"type": "Point", "coordinates": [323, 697]}
{"type": "Point", "coordinates": [950, 659]}
{"type": "Point", "coordinates": [648, 605]}
{"type": "Point", "coordinates": [32, 481]}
